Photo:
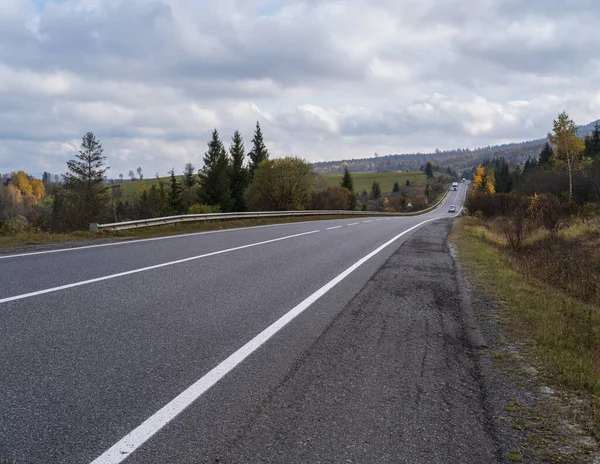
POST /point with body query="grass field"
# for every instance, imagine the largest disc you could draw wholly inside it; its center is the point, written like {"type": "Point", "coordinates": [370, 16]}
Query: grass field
{"type": "Point", "coordinates": [364, 180]}
{"type": "Point", "coordinates": [130, 187]}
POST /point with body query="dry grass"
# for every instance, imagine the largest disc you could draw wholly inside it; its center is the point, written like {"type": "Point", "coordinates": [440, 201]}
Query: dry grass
{"type": "Point", "coordinates": [540, 289]}
{"type": "Point", "coordinates": [35, 238]}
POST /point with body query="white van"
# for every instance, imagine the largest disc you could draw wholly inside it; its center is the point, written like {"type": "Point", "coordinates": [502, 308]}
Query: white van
{"type": "Point", "coordinates": [454, 185]}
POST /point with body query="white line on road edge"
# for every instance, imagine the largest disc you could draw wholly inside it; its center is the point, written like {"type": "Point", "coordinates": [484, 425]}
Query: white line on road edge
{"type": "Point", "coordinates": [354, 224]}
{"type": "Point", "coordinates": [149, 268]}
{"type": "Point", "coordinates": [331, 228]}
{"type": "Point", "coordinates": [129, 242]}
{"type": "Point", "coordinates": [143, 432]}
{"type": "Point", "coordinates": [366, 222]}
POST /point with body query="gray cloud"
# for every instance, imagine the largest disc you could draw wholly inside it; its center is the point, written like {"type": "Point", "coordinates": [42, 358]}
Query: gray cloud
{"type": "Point", "coordinates": [326, 79]}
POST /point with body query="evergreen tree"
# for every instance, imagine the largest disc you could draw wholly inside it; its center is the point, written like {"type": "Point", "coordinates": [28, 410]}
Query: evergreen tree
{"type": "Point", "coordinates": [408, 182]}
{"type": "Point", "coordinates": [175, 193]}
{"type": "Point", "coordinates": [429, 169]}
{"type": "Point", "coordinates": [545, 160]}
{"type": "Point", "coordinates": [46, 178]}
{"type": "Point", "coordinates": [503, 178]}
{"type": "Point", "coordinates": [239, 175]}
{"type": "Point", "coordinates": [84, 184]}
{"type": "Point", "coordinates": [396, 188]}
{"type": "Point", "coordinates": [189, 177]}
{"type": "Point", "coordinates": [592, 144]}
{"type": "Point", "coordinates": [347, 181]}
{"type": "Point", "coordinates": [259, 150]}
{"type": "Point", "coordinates": [215, 176]}
{"type": "Point", "coordinates": [375, 190]}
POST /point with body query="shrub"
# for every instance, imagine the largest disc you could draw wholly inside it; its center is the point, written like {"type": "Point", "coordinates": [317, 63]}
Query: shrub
{"type": "Point", "coordinates": [199, 208]}
{"type": "Point", "coordinates": [15, 226]}
{"type": "Point", "coordinates": [333, 198]}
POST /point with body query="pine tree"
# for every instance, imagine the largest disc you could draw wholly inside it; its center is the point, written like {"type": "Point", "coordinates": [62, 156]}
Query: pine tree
{"type": "Point", "coordinates": [375, 190]}
{"type": "Point", "coordinates": [429, 169]}
{"type": "Point", "coordinates": [408, 182]}
{"type": "Point", "coordinates": [175, 193]}
{"type": "Point", "coordinates": [592, 144]}
{"type": "Point", "coordinates": [396, 188]}
{"type": "Point", "coordinates": [347, 181]}
{"type": "Point", "coordinates": [189, 176]}
{"type": "Point", "coordinates": [259, 150]}
{"type": "Point", "coordinates": [239, 175]}
{"type": "Point", "coordinates": [214, 179]}
{"type": "Point", "coordinates": [545, 160]}
{"type": "Point", "coordinates": [84, 183]}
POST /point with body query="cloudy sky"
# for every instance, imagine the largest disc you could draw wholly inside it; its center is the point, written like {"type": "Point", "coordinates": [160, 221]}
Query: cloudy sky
{"type": "Point", "coordinates": [326, 79]}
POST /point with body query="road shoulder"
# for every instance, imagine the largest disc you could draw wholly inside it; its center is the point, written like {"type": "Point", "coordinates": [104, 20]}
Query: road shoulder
{"type": "Point", "coordinates": [396, 377]}
{"type": "Point", "coordinates": [553, 423]}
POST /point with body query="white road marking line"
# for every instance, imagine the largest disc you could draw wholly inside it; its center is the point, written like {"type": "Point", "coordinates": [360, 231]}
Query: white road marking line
{"type": "Point", "coordinates": [366, 222]}
{"type": "Point", "coordinates": [128, 242]}
{"type": "Point", "coordinates": [378, 220]}
{"type": "Point", "coordinates": [148, 268]}
{"type": "Point", "coordinates": [354, 224]}
{"type": "Point", "coordinates": [331, 228]}
{"type": "Point", "coordinates": [143, 432]}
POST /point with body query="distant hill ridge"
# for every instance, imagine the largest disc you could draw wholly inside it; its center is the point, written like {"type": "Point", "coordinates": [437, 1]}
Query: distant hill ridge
{"type": "Point", "coordinates": [460, 159]}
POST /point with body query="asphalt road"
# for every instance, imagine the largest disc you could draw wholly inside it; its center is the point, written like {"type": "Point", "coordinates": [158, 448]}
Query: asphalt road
{"type": "Point", "coordinates": [191, 348]}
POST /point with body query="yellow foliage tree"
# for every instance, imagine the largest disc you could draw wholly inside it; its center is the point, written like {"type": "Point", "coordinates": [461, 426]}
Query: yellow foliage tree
{"type": "Point", "coordinates": [482, 182]}
{"type": "Point", "coordinates": [38, 189]}
{"type": "Point", "coordinates": [567, 144]}
{"type": "Point", "coordinates": [21, 181]}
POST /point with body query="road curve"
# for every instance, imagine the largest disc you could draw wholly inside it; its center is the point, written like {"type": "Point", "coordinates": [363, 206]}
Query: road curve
{"type": "Point", "coordinates": [101, 345]}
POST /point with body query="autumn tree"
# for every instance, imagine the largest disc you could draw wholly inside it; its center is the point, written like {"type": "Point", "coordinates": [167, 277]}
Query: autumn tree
{"type": "Point", "coordinates": [214, 177]}
{"type": "Point", "coordinates": [21, 180]}
{"type": "Point", "coordinates": [259, 151]}
{"type": "Point", "coordinates": [37, 189]}
{"type": "Point", "coordinates": [347, 181]}
{"type": "Point", "coordinates": [239, 174]}
{"type": "Point", "coordinates": [567, 144]}
{"type": "Point", "coordinates": [283, 184]}
{"type": "Point", "coordinates": [481, 180]}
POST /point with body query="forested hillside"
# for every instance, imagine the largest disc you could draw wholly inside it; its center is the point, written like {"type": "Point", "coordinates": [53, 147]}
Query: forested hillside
{"type": "Point", "coordinates": [460, 159]}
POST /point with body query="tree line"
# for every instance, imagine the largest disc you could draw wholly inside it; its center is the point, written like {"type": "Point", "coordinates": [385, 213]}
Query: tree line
{"type": "Point", "coordinates": [562, 181]}
{"type": "Point", "coordinates": [229, 180]}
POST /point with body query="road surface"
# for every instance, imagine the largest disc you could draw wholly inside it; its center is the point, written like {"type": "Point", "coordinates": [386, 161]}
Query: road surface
{"type": "Point", "coordinates": [234, 346]}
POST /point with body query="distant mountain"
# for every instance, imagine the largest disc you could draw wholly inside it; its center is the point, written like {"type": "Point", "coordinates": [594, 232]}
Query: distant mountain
{"type": "Point", "coordinates": [585, 130]}
{"type": "Point", "coordinates": [460, 159]}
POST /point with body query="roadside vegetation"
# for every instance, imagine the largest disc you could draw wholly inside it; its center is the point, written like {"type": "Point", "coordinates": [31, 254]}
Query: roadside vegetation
{"type": "Point", "coordinates": [230, 180]}
{"type": "Point", "coordinates": [532, 244]}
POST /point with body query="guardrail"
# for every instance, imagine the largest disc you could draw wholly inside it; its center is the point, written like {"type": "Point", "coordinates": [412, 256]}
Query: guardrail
{"type": "Point", "coordinates": [260, 214]}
